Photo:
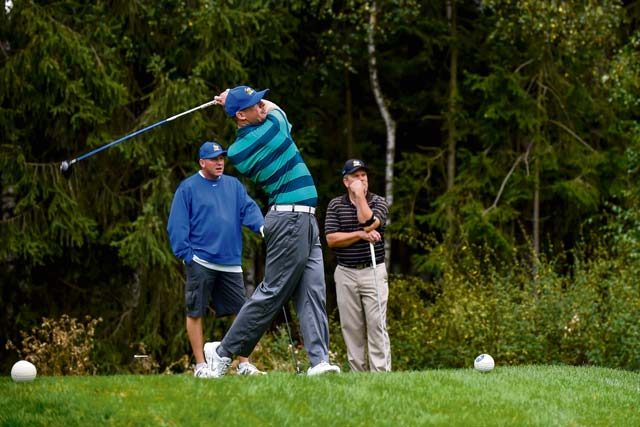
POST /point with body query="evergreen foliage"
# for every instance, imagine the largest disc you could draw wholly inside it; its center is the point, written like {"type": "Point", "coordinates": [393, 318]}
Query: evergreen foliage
{"type": "Point", "coordinates": [547, 134]}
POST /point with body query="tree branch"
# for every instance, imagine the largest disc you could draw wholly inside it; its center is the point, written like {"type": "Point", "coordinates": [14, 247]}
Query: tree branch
{"type": "Point", "coordinates": [572, 133]}
{"type": "Point", "coordinates": [524, 64]}
{"type": "Point", "coordinates": [506, 178]}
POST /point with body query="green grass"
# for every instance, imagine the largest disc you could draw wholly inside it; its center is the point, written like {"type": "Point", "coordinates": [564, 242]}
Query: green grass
{"type": "Point", "coordinates": [508, 396]}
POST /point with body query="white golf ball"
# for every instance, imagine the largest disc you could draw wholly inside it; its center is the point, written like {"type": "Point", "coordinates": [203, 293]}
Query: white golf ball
{"type": "Point", "coordinates": [484, 363]}
{"type": "Point", "coordinates": [23, 371]}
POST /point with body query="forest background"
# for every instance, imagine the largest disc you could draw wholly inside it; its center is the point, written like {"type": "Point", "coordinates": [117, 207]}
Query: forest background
{"type": "Point", "coordinates": [504, 133]}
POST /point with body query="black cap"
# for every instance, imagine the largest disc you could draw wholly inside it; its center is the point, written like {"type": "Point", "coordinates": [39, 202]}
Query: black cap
{"type": "Point", "coordinates": [353, 165]}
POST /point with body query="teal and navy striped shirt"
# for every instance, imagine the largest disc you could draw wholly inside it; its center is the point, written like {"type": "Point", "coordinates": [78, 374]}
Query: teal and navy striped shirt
{"type": "Point", "coordinates": [267, 155]}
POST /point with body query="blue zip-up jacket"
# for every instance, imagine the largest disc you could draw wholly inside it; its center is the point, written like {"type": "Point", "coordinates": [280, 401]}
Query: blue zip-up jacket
{"type": "Point", "coordinates": [206, 219]}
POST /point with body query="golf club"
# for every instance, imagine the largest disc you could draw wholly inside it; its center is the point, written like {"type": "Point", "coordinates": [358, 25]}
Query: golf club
{"type": "Point", "coordinates": [65, 166]}
{"type": "Point", "coordinates": [383, 320]}
{"type": "Point", "coordinates": [293, 353]}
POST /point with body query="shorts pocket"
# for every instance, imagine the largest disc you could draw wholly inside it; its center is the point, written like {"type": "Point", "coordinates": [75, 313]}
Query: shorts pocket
{"type": "Point", "coordinates": [191, 300]}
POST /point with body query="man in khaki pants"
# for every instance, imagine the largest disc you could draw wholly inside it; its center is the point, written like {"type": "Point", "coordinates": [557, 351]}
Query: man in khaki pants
{"type": "Point", "coordinates": [353, 222]}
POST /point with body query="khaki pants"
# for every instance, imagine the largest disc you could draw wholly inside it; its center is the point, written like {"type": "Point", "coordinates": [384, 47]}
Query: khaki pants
{"type": "Point", "coordinates": [362, 320]}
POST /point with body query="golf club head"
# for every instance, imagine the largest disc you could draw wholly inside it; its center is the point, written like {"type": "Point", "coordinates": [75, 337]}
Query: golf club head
{"type": "Point", "coordinates": [65, 168]}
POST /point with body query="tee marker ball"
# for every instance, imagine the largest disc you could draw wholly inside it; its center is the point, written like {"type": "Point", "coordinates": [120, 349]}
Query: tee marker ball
{"type": "Point", "coordinates": [484, 363]}
{"type": "Point", "coordinates": [23, 371]}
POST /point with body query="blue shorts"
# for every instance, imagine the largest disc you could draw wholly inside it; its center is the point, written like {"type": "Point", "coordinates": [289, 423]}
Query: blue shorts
{"type": "Point", "coordinates": [225, 290]}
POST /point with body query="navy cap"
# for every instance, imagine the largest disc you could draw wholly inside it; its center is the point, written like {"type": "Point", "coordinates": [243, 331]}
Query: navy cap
{"type": "Point", "coordinates": [353, 165]}
{"type": "Point", "coordinates": [241, 97]}
{"type": "Point", "coordinates": [211, 150]}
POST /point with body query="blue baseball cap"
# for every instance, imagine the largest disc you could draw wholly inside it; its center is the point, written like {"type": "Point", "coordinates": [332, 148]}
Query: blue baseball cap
{"type": "Point", "coordinates": [211, 150]}
{"type": "Point", "coordinates": [241, 97]}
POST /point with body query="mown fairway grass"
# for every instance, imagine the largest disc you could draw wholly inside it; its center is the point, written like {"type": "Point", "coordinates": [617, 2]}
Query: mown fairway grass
{"type": "Point", "coordinates": [508, 396]}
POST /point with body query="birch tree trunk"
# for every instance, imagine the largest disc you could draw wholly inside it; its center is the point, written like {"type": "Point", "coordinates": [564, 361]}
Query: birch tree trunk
{"type": "Point", "coordinates": [453, 107]}
{"type": "Point", "coordinates": [386, 115]}
{"type": "Point", "coordinates": [349, 108]}
{"type": "Point", "coordinates": [536, 183]}
{"type": "Point", "coordinates": [536, 216]}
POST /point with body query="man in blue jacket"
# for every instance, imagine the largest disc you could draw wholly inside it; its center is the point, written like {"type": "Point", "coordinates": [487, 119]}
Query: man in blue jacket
{"type": "Point", "coordinates": [205, 230]}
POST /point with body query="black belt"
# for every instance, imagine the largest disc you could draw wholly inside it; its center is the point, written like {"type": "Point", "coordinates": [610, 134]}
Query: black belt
{"type": "Point", "coordinates": [358, 266]}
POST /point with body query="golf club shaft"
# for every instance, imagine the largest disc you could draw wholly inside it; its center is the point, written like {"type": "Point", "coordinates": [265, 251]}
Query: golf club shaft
{"type": "Point", "coordinates": [293, 353]}
{"type": "Point", "coordinates": [383, 329]}
{"type": "Point", "coordinates": [138, 132]}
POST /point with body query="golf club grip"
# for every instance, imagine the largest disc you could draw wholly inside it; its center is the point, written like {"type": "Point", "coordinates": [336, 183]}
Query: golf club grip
{"type": "Point", "coordinates": [199, 107]}
{"type": "Point", "coordinates": [373, 255]}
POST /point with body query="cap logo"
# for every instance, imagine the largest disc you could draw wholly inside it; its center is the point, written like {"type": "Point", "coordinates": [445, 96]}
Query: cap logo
{"type": "Point", "coordinates": [249, 91]}
{"type": "Point", "coordinates": [216, 147]}
{"type": "Point", "coordinates": [357, 164]}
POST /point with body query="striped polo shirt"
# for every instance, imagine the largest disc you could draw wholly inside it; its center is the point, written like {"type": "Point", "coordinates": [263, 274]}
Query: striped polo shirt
{"type": "Point", "coordinates": [342, 216]}
{"type": "Point", "coordinates": [266, 154]}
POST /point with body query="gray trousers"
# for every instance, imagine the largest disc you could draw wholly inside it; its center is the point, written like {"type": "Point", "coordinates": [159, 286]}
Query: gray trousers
{"type": "Point", "coordinates": [294, 268]}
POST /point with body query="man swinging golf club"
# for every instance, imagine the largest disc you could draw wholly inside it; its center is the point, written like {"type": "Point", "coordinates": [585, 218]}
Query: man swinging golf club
{"type": "Point", "coordinates": [265, 152]}
{"type": "Point", "coordinates": [354, 226]}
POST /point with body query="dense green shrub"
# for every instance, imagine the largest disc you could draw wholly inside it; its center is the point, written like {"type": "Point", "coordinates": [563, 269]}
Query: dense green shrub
{"type": "Point", "coordinates": [585, 316]}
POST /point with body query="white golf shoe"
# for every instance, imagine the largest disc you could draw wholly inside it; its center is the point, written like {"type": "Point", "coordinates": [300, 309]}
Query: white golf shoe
{"type": "Point", "coordinates": [218, 365]}
{"type": "Point", "coordinates": [248, 369]}
{"type": "Point", "coordinates": [323, 368]}
{"type": "Point", "coordinates": [203, 372]}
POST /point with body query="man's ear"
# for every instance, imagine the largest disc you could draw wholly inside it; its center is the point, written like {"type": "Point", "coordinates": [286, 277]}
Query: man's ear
{"type": "Point", "coordinates": [201, 162]}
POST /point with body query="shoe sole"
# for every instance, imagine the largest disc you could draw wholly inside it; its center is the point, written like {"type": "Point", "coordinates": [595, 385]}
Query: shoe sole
{"type": "Point", "coordinates": [327, 372]}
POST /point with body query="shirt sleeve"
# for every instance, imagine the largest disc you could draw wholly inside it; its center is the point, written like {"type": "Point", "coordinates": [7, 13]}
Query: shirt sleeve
{"type": "Point", "coordinates": [281, 120]}
{"type": "Point", "coordinates": [380, 210]}
{"type": "Point", "coordinates": [331, 222]}
{"type": "Point", "coordinates": [178, 226]}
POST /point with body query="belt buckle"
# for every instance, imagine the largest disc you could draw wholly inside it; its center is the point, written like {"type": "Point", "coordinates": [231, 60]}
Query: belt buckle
{"type": "Point", "coordinates": [301, 208]}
